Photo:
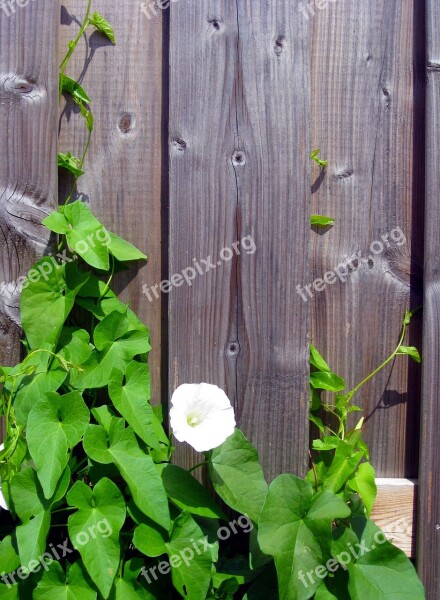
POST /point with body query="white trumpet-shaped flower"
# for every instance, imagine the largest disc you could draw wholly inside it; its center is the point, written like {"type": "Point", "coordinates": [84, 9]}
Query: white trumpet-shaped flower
{"type": "Point", "coordinates": [2, 498]}
{"type": "Point", "coordinates": [201, 415]}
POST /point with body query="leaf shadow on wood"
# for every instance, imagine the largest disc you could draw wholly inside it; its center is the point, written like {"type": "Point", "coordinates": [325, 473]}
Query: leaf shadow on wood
{"type": "Point", "coordinates": [318, 181]}
{"type": "Point", "coordinates": [392, 398]}
{"type": "Point", "coordinates": [388, 399]}
{"type": "Point", "coordinates": [318, 229]}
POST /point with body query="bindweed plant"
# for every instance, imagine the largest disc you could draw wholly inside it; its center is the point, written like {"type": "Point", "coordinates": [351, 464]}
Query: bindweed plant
{"type": "Point", "coordinates": [93, 506]}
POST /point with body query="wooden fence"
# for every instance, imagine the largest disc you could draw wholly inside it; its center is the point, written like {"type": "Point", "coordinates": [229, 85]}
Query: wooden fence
{"type": "Point", "coordinates": [205, 116]}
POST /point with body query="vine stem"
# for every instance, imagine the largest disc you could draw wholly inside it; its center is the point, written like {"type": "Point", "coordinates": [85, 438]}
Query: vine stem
{"type": "Point", "coordinates": [63, 66]}
{"type": "Point", "coordinates": [202, 464]}
{"type": "Point", "coordinates": [314, 471]}
{"type": "Point", "coordinates": [60, 510]}
{"type": "Point", "coordinates": [207, 460]}
{"type": "Point", "coordinates": [81, 164]}
{"type": "Point", "coordinates": [107, 285]}
{"type": "Point", "coordinates": [349, 395]}
{"type": "Point", "coordinates": [352, 392]}
{"type": "Point", "coordinates": [74, 43]}
{"type": "Point", "coordinates": [81, 463]}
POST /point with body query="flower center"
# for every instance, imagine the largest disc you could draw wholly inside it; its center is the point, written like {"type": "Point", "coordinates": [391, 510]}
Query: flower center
{"type": "Point", "coordinates": [193, 420]}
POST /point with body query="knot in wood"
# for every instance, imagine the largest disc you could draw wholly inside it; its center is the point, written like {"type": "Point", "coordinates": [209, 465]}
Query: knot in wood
{"type": "Point", "coordinates": [126, 123]}
{"type": "Point", "coordinates": [239, 158]}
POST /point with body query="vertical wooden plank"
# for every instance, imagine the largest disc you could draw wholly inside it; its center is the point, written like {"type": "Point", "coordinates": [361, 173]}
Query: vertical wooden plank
{"type": "Point", "coordinates": [28, 130]}
{"type": "Point", "coordinates": [239, 143]}
{"type": "Point", "coordinates": [123, 171]}
{"type": "Point", "coordinates": [367, 120]}
{"type": "Point", "coordinates": [428, 549]}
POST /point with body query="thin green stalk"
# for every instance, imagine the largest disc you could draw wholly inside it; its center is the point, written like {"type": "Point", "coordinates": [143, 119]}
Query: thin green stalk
{"type": "Point", "coordinates": [74, 43]}
{"type": "Point", "coordinates": [81, 463]}
{"type": "Point", "coordinates": [351, 393]}
{"type": "Point", "coordinates": [8, 409]}
{"type": "Point", "coordinates": [60, 510]}
{"type": "Point", "coordinates": [202, 464]}
{"type": "Point", "coordinates": [107, 286]}
{"type": "Point", "coordinates": [81, 163]}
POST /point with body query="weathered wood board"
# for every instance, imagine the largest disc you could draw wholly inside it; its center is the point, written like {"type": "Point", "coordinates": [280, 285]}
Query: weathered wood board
{"type": "Point", "coordinates": [367, 118]}
{"type": "Point", "coordinates": [28, 133]}
{"type": "Point", "coordinates": [428, 533]}
{"type": "Point", "coordinates": [239, 144]}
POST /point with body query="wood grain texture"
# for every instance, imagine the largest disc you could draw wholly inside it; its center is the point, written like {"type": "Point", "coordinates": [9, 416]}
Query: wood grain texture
{"type": "Point", "coordinates": [123, 171]}
{"type": "Point", "coordinates": [367, 118]}
{"type": "Point", "coordinates": [239, 143]}
{"type": "Point", "coordinates": [395, 512]}
{"type": "Point", "coordinates": [428, 548]}
{"type": "Point", "coordinates": [28, 172]}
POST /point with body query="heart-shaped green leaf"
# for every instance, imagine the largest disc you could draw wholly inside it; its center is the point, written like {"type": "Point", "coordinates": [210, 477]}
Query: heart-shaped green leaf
{"type": "Point", "coordinates": [117, 342]}
{"type": "Point", "coordinates": [123, 250]}
{"type": "Point", "coordinates": [56, 585]}
{"type": "Point", "coordinates": [293, 526]}
{"type": "Point", "coordinates": [237, 475]}
{"type": "Point", "coordinates": [410, 351]}
{"type": "Point", "coordinates": [94, 529]}
{"type": "Point", "coordinates": [86, 235]}
{"type": "Point", "coordinates": [192, 573]}
{"type": "Point", "coordinates": [103, 26]}
{"type": "Point", "coordinates": [149, 538]}
{"type": "Point", "coordinates": [363, 482]}
{"type": "Point", "coordinates": [47, 301]}
{"type": "Point", "coordinates": [72, 87]}
{"type": "Point", "coordinates": [327, 381]}
{"type": "Point", "coordinates": [188, 494]}
{"type": "Point", "coordinates": [30, 386]}
{"type": "Point", "coordinates": [34, 511]}
{"type": "Point", "coordinates": [317, 360]}
{"type": "Point", "coordinates": [73, 165]}
{"type": "Point", "coordinates": [344, 464]}
{"type": "Point", "coordinates": [131, 398]}
{"type": "Point", "coordinates": [382, 571]}
{"type": "Point", "coordinates": [74, 345]}
{"type": "Point", "coordinates": [135, 466]}
{"type": "Point", "coordinates": [55, 425]}
{"type": "Point", "coordinates": [32, 536]}
{"type": "Point", "coordinates": [9, 557]}
{"type": "Point", "coordinates": [321, 220]}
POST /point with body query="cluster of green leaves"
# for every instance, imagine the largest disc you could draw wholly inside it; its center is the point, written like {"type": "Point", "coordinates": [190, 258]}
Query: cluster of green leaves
{"type": "Point", "coordinates": [86, 467]}
{"type": "Point", "coordinates": [85, 446]}
{"type": "Point", "coordinates": [343, 457]}
{"type": "Point", "coordinates": [341, 466]}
